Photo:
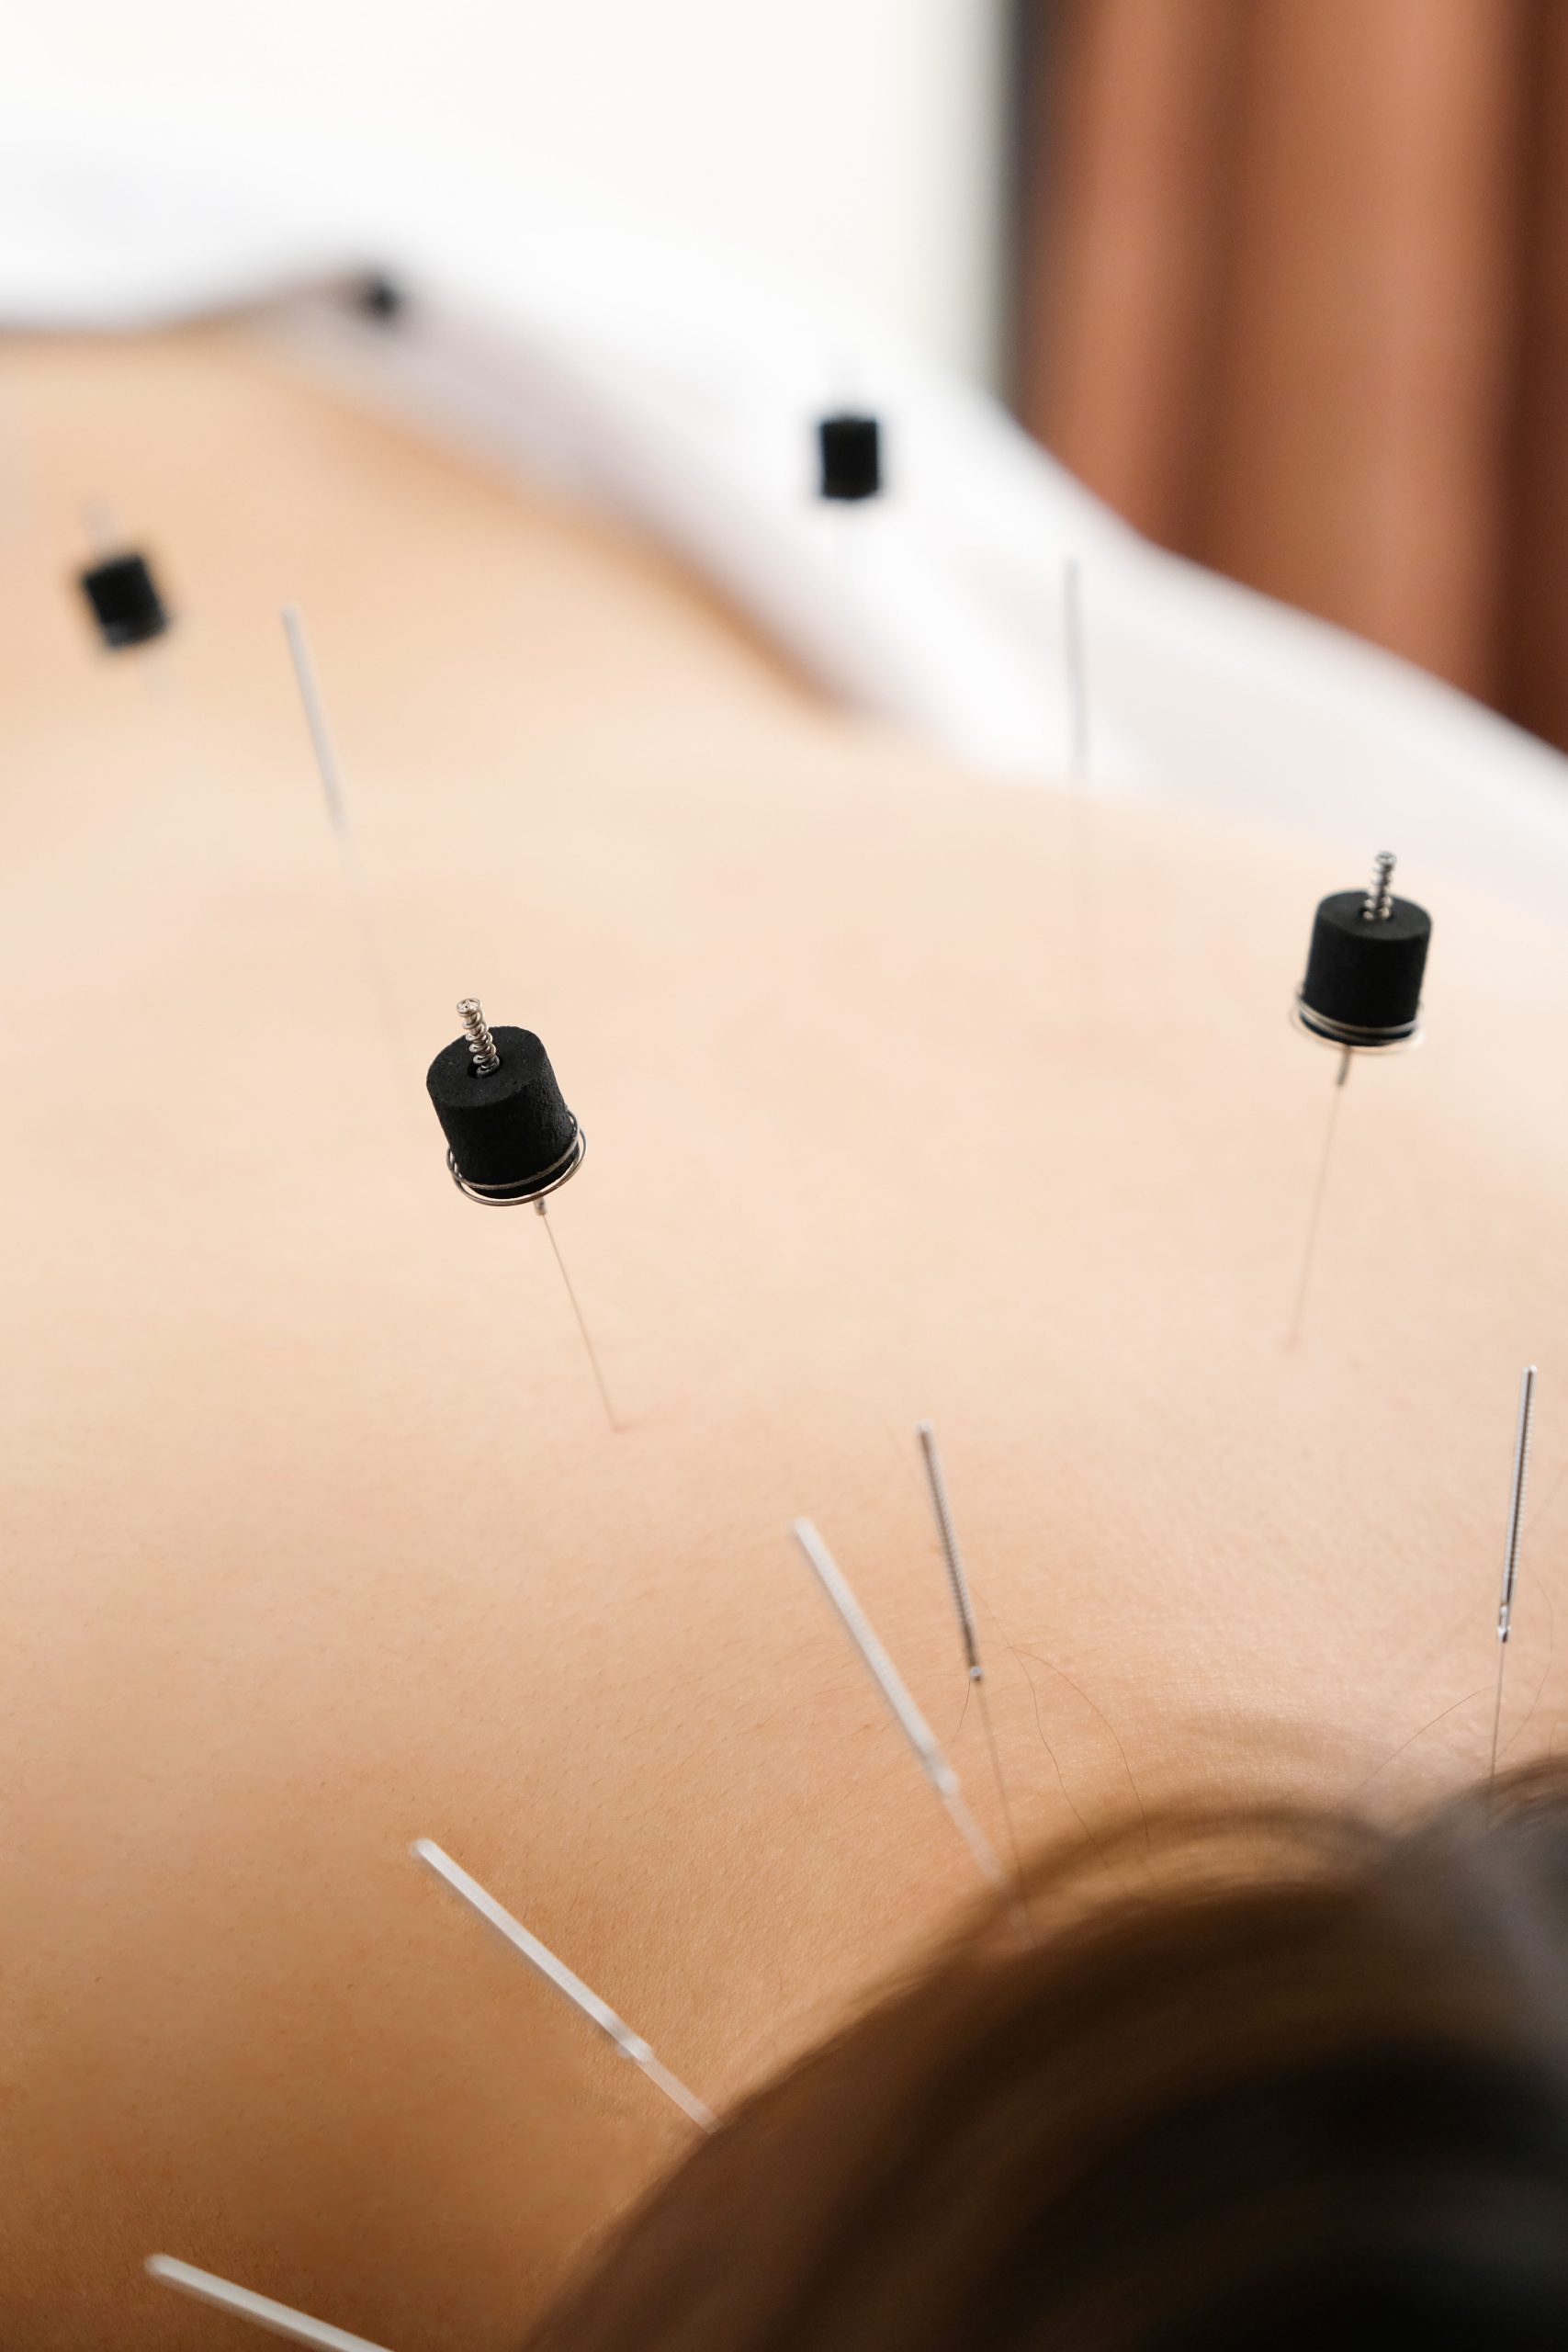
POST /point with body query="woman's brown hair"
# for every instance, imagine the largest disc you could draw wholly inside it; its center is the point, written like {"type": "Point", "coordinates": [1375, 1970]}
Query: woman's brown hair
{"type": "Point", "coordinates": [1270, 2077]}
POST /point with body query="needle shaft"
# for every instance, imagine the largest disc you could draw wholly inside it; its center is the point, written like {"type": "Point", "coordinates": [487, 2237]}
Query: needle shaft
{"type": "Point", "coordinates": [905, 1713]}
{"type": "Point", "coordinates": [204, 2287]}
{"type": "Point", "coordinates": [1314, 1214]}
{"type": "Point", "coordinates": [963, 1608]}
{"type": "Point", "coordinates": [592, 1352]}
{"type": "Point", "coordinates": [1085, 909]}
{"type": "Point", "coordinates": [566, 1982]}
{"type": "Point", "coordinates": [1511, 1550]}
{"type": "Point", "coordinates": [330, 773]}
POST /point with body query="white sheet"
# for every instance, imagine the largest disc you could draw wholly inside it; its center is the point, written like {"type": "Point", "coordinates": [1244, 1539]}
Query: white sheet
{"type": "Point", "coordinates": [677, 389]}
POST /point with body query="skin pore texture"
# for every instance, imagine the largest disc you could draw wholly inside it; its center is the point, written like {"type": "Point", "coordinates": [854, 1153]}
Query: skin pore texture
{"type": "Point", "coordinates": [317, 1541]}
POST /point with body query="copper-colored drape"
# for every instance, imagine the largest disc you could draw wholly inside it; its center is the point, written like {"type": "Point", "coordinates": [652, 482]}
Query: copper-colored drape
{"type": "Point", "coordinates": [1295, 300]}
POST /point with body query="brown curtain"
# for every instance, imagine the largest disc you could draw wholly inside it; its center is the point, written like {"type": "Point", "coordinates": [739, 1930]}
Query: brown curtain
{"type": "Point", "coordinates": [1295, 300]}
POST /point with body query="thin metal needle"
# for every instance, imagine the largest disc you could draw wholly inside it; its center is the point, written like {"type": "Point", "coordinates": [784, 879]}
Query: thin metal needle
{"type": "Point", "coordinates": [581, 1321]}
{"type": "Point", "coordinates": [204, 2287]}
{"type": "Point", "coordinates": [1511, 1550]}
{"type": "Point", "coordinates": [1077, 669]}
{"type": "Point", "coordinates": [958, 1584]}
{"type": "Point", "coordinates": [555, 1972]}
{"type": "Point", "coordinates": [102, 524]}
{"type": "Point", "coordinates": [905, 1712]}
{"type": "Point", "coordinates": [321, 741]}
{"type": "Point", "coordinates": [325, 749]}
{"type": "Point", "coordinates": [1075, 664]}
{"type": "Point", "coordinates": [1077, 770]}
{"type": "Point", "coordinates": [1319, 1190]}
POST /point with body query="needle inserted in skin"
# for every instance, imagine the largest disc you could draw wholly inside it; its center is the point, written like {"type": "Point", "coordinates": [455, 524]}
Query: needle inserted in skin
{"type": "Point", "coordinates": [958, 1584]}
{"type": "Point", "coordinates": [1511, 1549]}
{"type": "Point", "coordinates": [510, 1137]}
{"type": "Point", "coordinates": [1362, 992]}
{"type": "Point", "coordinates": [260, 2310]}
{"type": "Point", "coordinates": [1314, 1216]}
{"type": "Point", "coordinates": [327, 766]}
{"type": "Point", "coordinates": [102, 526]}
{"type": "Point", "coordinates": [905, 1712]}
{"type": "Point", "coordinates": [1077, 668]}
{"type": "Point", "coordinates": [592, 1351]}
{"type": "Point", "coordinates": [321, 741]}
{"type": "Point", "coordinates": [555, 1972]}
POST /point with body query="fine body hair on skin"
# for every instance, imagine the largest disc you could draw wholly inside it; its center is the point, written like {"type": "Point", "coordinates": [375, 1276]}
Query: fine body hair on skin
{"type": "Point", "coordinates": [1270, 2077]}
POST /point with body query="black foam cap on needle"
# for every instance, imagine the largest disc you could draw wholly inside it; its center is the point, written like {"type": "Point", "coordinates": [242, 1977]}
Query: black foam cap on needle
{"type": "Point", "coordinates": [509, 1133]}
{"type": "Point", "coordinates": [124, 599]}
{"type": "Point", "coordinates": [849, 448]}
{"type": "Point", "coordinates": [380, 296]}
{"type": "Point", "coordinates": [1365, 966]}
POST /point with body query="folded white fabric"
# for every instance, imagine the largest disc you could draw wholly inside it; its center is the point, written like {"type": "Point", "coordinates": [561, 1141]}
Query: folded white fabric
{"type": "Point", "coordinates": [676, 389]}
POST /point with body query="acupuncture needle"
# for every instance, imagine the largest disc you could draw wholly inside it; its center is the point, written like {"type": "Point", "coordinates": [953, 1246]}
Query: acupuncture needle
{"type": "Point", "coordinates": [556, 1973]}
{"type": "Point", "coordinates": [324, 746]}
{"type": "Point", "coordinates": [964, 1607]}
{"type": "Point", "coordinates": [278, 2319]}
{"type": "Point", "coordinates": [1511, 1550]}
{"type": "Point", "coordinates": [511, 1138]}
{"type": "Point", "coordinates": [1074, 664]}
{"type": "Point", "coordinates": [905, 1713]}
{"type": "Point", "coordinates": [1361, 994]}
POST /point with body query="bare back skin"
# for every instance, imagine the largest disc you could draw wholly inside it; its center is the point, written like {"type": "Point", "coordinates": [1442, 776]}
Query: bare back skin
{"type": "Point", "coordinates": [318, 1541]}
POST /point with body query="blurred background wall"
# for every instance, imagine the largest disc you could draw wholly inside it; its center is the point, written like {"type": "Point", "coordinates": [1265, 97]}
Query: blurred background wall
{"type": "Point", "coordinates": [1293, 294]}
{"type": "Point", "coordinates": [855, 141]}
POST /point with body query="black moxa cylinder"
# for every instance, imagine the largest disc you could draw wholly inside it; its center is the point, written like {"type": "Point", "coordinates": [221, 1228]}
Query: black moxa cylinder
{"type": "Point", "coordinates": [508, 1130]}
{"type": "Point", "coordinates": [124, 601]}
{"type": "Point", "coordinates": [851, 451]}
{"type": "Point", "coordinates": [1363, 975]}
